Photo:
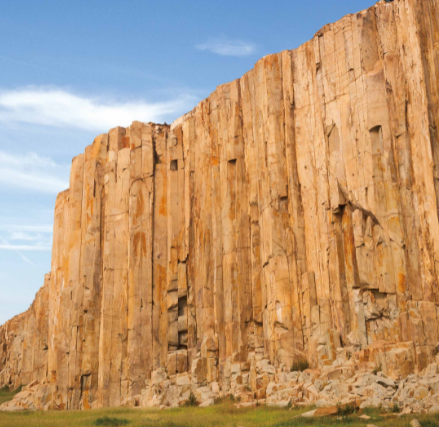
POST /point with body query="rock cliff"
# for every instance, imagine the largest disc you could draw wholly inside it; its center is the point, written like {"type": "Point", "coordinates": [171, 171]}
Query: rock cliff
{"type": "Point", "coordinates": [292, 215]}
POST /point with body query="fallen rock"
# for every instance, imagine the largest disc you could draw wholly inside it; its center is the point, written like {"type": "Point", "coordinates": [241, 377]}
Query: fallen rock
{"type": "Point", "coordinates": [322, 412]}
{"type": "Point", "coordinates": [309, 414]}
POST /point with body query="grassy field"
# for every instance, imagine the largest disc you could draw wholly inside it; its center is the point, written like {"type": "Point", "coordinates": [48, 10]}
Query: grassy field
{"type": "Point", "coordinates": [224, 414]}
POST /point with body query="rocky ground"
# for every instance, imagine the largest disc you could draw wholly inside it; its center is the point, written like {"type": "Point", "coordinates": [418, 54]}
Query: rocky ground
{"type": "Point", "coordinates": [351, 384]}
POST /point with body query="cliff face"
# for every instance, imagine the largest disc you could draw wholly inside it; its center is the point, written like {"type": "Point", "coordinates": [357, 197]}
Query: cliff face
{"type": "Point", "coordinates": [24, 343]}
{"type": "Point", "coordinates": [293, 212]}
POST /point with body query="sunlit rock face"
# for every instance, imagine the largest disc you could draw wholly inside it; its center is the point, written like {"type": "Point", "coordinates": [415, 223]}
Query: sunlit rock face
{"type": "Point", "coordinates": [292, 213]}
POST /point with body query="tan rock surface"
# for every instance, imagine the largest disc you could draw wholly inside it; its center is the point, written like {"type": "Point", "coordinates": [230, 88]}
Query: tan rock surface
{"type": "Point", "coordinates": [292, 214]}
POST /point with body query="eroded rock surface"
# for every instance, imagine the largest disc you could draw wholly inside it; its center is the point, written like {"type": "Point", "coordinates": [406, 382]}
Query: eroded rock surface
{"type": "Point", "coordinates": [291, 215]}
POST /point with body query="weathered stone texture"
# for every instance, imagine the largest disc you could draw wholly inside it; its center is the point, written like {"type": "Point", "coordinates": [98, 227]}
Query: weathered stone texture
{"type": "Point", "coordinates": [292, 213]}
{"type": "Point", "coordinates": [24, 342]}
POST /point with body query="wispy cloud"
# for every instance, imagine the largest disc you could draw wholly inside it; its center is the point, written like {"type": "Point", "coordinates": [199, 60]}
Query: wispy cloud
{"type": "Point", "coordinates": [33, 172]}
{"type": "Point", "coordinates": [24, 247]}
{"type": "Point", "coordinates": [228, 47]}
{"type": "Point", "coordinates": [23, 236]}
{"type": "Point", "coordinates": [36, 238]}
{"type": "Point", "coordinates": [47, 228]}
{"type": "Point", "coordinates": [50, 106]}
{"type": "Point", "coordinates": [26, 259]}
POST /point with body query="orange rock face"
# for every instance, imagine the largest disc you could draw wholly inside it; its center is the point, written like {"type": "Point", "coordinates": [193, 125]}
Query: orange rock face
{"type": "Point", "coordinates": [292, 213]}
{"type": "Point", "coordinates": [24, 343]}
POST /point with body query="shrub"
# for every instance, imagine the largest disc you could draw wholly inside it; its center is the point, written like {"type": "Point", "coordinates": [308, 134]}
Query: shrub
{"type": "Point", "coordinates": [345, 410]}
{"type": "Point", "coordinates": [111, 422]}
{"type": "Point", "coordinates": [300, 365]}
{"type": "Point", "coordinates": [192, 401]}
{"type": "Point", "coordinates": [395, 408]}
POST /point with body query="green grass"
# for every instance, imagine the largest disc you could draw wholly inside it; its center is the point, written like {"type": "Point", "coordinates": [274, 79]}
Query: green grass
{"type": "Point", "coordinates": [221, 415]}
{"type": "Point", "coordinates": [6, 395]}
{"type": "Point", "coordinates": [111, 422]}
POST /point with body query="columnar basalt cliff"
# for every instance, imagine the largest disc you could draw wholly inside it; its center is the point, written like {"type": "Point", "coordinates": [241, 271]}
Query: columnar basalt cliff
{"type": "Point", "coordinates": [290, 215]}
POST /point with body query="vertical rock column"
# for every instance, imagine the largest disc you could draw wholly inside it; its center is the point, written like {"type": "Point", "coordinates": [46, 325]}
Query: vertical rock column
{"type": "Point", "coordinates": [140, 284]}
{"type": "Point", "coordinates": [115, 229]}
{"type": "Point", "coordinates": [91, 272]}
{"type": "Point", "coordinates": [177, 286]}
{"type": "Point", "coordinates": [66, 290]}
{"type": "Point", "coordinates": [160, 250]}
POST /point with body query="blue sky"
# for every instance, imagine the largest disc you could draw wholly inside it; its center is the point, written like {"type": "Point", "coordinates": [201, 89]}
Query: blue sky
{"type": "Point", "coordinates": [70, 70]}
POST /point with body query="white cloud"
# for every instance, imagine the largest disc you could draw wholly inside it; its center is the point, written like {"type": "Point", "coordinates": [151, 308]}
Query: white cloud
{"type": "Point", "coordinates": [33, 172]}
{"type": "Point", "coordinates": [33, 228]}
{"type": "Point", "coordinates": [227, 47]}
{"type": "Point", "coordinates": [57, 107]}
{"type": "Point", "coordinates": [22, 235]}
{"type": "Point", "coordinates": [30, 241]}
{"type": "Point", "coordinates": [25, 247]}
